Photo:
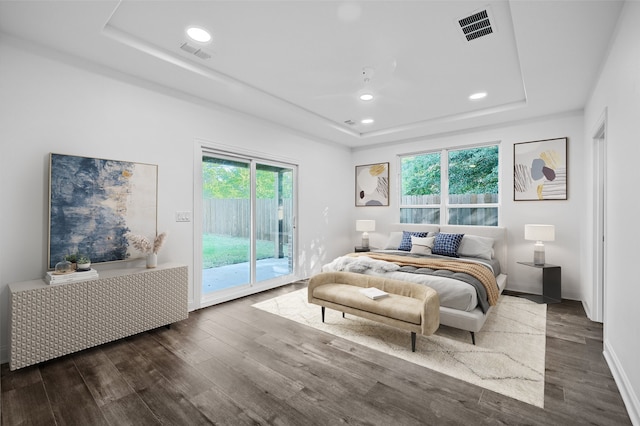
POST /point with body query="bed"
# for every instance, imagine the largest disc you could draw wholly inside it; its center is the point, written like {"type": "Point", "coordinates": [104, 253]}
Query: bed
{"type": "Point", "coordinates": [468, 285]}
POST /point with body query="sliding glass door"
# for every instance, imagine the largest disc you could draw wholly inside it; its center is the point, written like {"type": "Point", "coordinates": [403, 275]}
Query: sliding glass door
{"type": "Point", "coordinates": [274, 221]}
{"type": "Point", "coordinates": [226, 223]}
{"type": "Point", "coordinates": [248, 213]}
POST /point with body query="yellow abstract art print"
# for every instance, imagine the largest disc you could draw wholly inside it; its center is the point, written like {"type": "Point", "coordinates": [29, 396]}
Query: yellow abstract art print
{"type": "Point", "coordinates": [372, 185]}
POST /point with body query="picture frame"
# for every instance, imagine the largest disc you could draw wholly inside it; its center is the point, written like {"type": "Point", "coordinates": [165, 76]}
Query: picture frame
{"type": "Point", "coordinates": [540, 170]}
{"type": "Point", "coordinates": [372, 185]}
{"type": "Point", "coordinates": [94, 203]}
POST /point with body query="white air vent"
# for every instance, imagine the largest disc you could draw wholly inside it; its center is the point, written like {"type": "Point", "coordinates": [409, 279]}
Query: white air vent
{"type": "Point", "coordinates": [477, 25]}
{"type": "Point", "coordinates": [202, 54]}
{"type": "Point", "coordinates": [350, 122]}
{"type": "Point", "coordinates": [195, 51]}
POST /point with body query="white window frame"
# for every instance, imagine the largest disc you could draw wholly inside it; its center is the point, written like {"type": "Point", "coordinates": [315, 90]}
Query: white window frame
{"type": "Point", "coordinates": [444, 205]}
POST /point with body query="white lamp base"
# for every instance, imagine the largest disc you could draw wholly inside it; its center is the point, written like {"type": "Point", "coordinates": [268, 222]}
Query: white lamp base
{"type": "Point", "coordinates": [538, 253]}
{"type": "Point", "coordinates": [365, 240]}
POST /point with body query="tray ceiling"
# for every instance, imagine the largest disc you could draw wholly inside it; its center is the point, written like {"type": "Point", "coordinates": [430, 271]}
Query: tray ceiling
{"type": "Point", "coordinates": [303, 64]}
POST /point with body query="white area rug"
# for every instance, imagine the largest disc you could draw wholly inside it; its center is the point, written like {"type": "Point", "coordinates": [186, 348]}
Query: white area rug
{"type": "Point", "coordinates": [508, 357]}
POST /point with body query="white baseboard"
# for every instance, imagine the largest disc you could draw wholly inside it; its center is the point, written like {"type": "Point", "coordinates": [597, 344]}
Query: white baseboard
{"type": "Point", "coordinates": [624, 385]}
{"type": "Point", "coordinates": [590, 315]}
{"type": "Point", "coordinates": [587, 309]}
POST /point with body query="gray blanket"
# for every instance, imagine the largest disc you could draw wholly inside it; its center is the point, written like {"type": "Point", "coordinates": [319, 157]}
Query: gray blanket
{"type": "Point", "coordinates": [451, 296]}
{"type": "Point", "coordinates": [483, 303]}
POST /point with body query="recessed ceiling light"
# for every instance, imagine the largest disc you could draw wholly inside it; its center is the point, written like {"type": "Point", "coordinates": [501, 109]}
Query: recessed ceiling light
{"type": "Point", "coordinates": [478, 95]}
{"type": "Point", "coordinates": [366, 97]}
{"type": "Point", "coordinates": [199, 34]}
{"type": "Point", "coordinates": [367, 120]}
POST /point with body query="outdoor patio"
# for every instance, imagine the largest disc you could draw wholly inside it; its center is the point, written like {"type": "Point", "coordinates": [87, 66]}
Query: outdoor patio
{"type": "Point", "coordinates": [222, 277]}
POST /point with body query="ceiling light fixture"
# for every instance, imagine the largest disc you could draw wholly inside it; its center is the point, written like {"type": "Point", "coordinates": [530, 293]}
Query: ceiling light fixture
{"type": "Point", "coordinates": [478, 95]}
{"type": "Point", "coordinates": [199, 34]}
{"type": "Point", "coordinates": [366, 97]}
{"type": "Point", "coordinates": [367, 120]}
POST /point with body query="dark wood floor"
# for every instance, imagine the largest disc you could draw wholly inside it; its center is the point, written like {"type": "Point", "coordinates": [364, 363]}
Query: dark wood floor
{"type": "Point", "coordinates": [233, 364]}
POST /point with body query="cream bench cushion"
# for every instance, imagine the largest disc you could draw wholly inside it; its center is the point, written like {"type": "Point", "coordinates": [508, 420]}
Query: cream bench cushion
{"type": "Point", "coordinates": [408, 306]}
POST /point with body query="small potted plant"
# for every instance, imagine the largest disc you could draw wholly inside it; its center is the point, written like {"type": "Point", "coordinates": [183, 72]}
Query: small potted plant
{"type": "Point", "coordinates": [83, 263]}
{"type": "Point", "coordinates": [73, 258]}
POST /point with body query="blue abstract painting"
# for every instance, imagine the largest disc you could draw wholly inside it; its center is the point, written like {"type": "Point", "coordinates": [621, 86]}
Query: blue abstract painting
{"type": "Point", "coordinates": [93, 203]}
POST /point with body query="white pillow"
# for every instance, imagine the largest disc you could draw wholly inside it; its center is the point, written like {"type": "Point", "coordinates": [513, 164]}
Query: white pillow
{"type": "Point", "coordinates": [475, 246]}
{"type": "Point", "coordinates": [422, 245]}
{"type": "Point", "coordinates": [394, 240]}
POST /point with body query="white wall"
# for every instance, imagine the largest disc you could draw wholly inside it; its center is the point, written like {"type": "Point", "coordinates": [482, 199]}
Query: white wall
{"type": "Point", "coordinates": [48, 105]}
{"type": "Point", "coordinates": [514, 214]}
{"type": "Point", "coordinates": [618, 90]}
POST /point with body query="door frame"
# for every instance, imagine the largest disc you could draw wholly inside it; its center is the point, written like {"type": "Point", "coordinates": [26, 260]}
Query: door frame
{"type": "Point", "coordinates": [598, 311]}
{"type": "Point", "coordinates": [203, 147]}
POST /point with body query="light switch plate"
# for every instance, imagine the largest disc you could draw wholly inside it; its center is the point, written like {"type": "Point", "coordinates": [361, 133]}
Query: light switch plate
{"type": "Point", "coordinates": [183, 216]}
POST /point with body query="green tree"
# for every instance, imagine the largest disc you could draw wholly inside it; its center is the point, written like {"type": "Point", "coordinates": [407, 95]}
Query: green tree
{"type": "Point", "coordinates": [230, 179]}
{"type": "Point", "coordinates": [471, 171]}
{"type": "Point", "coordinates": [225, 179]}
{"type": "Point", "coordinates": [421, 174]}
{"type": "Point", "coordinates": [474, 171]}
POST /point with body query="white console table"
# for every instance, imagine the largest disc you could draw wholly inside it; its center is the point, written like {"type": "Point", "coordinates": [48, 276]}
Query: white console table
{"type": "Point", "coordinates": [48, 321]}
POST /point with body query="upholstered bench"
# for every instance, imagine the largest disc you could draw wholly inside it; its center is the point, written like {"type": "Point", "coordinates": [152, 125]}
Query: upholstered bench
{"type": "Point", "coordinates": [408, 306]}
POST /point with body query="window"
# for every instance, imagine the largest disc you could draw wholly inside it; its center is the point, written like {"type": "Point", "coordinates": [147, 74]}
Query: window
{"type": "Point", "coordinates": [452, 186]}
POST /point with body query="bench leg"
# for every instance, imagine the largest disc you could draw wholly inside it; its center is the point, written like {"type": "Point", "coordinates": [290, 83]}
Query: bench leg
{"type": "Point", "coordinates": [343, 315]}
{"type": "Point", "coordinates": [473, 337]}
{"type": "Point", "coordinates": [322, 310]}
{"type": "Point", "coordinates": [413, 341]}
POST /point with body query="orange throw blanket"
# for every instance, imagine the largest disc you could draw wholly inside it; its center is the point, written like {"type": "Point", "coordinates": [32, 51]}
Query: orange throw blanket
{"type": "Point", "coordinates": [480, 272]}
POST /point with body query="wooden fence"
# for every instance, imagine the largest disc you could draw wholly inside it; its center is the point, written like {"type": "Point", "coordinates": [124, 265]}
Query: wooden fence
{"type": "Point", "coordinates": [416, 200]}
{"type": "Point", "coordinates": [466, 214]}
{"type": "Point", "coordinates": [232, 217]}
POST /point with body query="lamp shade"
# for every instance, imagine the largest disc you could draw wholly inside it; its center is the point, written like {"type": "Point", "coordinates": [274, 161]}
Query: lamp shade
{"type": "Point", "coordinates": [539, 232]}
{"type": "Point", "coordinates": [365, 225]}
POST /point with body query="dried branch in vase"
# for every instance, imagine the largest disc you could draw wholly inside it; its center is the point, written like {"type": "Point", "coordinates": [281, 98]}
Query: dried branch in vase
{"type": "Point", "coordinates": [158, 242]}
{"type": "Point", "coordinates": [144, 245]}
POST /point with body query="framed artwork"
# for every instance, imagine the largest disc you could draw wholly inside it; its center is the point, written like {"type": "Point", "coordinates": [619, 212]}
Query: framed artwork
{"type": "Point", "coordinates": [93, 203]}
{"type": "Point", "coordinates": [540, 170]}
{"type": "Point", "coordinates": [372, 185]}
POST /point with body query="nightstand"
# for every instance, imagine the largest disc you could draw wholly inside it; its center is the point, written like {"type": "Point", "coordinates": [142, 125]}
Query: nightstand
{"type": "Point", "coordinates": [359, 249]}
{"type": "Point", "coordinates": [551, 284]}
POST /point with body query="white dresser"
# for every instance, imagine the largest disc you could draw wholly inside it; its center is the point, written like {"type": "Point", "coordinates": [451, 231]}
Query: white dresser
{"type": "Point", "coordinates": [48, 321]}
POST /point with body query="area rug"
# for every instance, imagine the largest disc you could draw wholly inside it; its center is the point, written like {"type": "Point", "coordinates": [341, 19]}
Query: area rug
{"type": "Point", "coordinates": [508, 357]}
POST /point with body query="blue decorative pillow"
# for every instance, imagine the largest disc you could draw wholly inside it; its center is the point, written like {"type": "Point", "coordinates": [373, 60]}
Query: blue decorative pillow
{"type": "Point", "coordinates": [405, 243]}
{"type": "Point", "coordinates": [447, 244]}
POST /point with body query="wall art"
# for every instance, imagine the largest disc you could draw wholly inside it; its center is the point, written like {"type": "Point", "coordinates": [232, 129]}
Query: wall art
{"type": "Point", "coordinates": [372, 185]}
{"type": "Point", "coordinates": [540, 170]}
{"type": "Point", "coordinates": [94, 202]}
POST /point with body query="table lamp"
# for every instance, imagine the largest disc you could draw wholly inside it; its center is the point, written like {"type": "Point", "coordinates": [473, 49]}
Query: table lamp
{"type": "Point", "coordinates": [539, 233]}
{"type": "Point", "coordinates": [365, 226]}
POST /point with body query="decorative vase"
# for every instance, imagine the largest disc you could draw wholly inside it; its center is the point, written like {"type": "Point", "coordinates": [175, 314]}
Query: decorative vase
{"type": "Point", "coordinates": [152, 260]}
{"type": "Point", "coordinates": [83, 266]}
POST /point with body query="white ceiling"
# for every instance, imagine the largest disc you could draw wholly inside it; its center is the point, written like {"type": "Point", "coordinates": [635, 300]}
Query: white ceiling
{"type": "Point", "coordinates": [302, 63]}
